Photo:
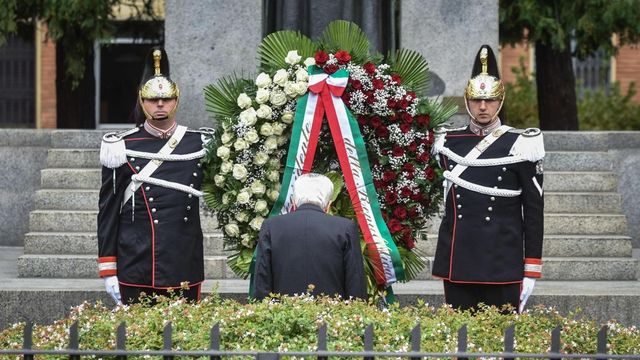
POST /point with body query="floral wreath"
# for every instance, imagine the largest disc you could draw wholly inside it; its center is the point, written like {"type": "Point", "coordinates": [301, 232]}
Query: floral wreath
{"type": "Point", "coordinates": [249, 158]}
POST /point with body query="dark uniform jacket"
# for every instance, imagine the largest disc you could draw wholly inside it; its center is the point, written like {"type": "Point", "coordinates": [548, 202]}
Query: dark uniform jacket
{"type": "Point", "coordinates": [159, 242]}
{"type": "Point", "coordinates": [490, 239]}
{"type": "Point", "coordinates": [305, 247]}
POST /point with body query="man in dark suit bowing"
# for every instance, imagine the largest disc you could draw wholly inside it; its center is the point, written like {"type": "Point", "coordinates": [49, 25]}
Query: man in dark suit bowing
{"type": "Point", "coordinates": [310, 247]}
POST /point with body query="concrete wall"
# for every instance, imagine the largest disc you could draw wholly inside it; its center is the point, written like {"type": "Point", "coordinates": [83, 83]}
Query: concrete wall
{"type": "Point", "coordinates": [23, 153]}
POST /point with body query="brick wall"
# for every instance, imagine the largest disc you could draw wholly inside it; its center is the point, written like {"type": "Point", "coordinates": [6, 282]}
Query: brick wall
{"type": "Point", "coordinates": [628, 68]}
{"type": "Point", "coordinates": [47, 94]}
{"type": "Point", "coordinates": [510, 57]}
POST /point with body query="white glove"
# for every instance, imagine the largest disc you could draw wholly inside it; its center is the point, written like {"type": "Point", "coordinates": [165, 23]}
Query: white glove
{"type": "Point", "coordinates": [527, 288]}
{"type": "Point", "coordinates": [113, 288]}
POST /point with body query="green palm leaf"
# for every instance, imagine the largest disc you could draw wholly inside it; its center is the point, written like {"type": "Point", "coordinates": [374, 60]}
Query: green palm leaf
{"type": "Point", "coordinates": [345, 35]}
{"type": "Point", "coordinates": [412, 68]}
{"type": "Point", "coordinates": [240, 262]}
{"type": "Point", "coordinates": [439, 111]}
{"type": "Point", "coordinates": [274, 49]}
{"type": "Point", "coordinates": [412, 261]}
{"type": "Point", "coordinates": [220, 99]}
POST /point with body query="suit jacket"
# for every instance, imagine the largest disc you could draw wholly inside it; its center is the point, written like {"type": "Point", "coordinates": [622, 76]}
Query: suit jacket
{"type": "Point", "coordinates": [305, 247]}
{"type": "Point", "coordinates": [490, 239]}
{"type": "Point", "coordinates": [159, 242]}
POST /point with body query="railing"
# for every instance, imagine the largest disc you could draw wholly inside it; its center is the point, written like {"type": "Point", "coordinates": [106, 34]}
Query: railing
{"type": "Point", "coordinates": [214, 352]}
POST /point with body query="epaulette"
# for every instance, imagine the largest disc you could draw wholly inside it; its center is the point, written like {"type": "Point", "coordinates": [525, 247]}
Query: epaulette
{"type": "Point", "coordinates": [440, 135]}
{"type": "Point", "coordinates": [206, 133]}
{"type": "Point", "coordinates": [112, 150]}
{"type": "Point", "coordinates": [529, 145]}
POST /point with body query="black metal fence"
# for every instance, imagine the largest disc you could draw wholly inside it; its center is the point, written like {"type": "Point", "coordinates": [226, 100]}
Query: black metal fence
{"type": "Point", "coordinates": [214, 352]}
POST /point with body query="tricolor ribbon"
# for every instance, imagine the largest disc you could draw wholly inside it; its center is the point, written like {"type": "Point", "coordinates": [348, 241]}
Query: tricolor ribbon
{"type": "Point", "coordinates": [324, 99]}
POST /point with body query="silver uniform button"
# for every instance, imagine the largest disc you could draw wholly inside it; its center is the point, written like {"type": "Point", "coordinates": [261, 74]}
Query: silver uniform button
{"type": "Point", "coordinates": [195, 174]}
{"type": "Point", "coordinates": [493, 198]}
{"type": "Point", "coordinates": [457, 196]}
{"type": "Point", "coordinates": [504, 169]}
{"type": "Point", "coordinates": [153, 210]}
{"type": "Point", "coordinates": [150, 199]}
{"type": "Point", "coordinates": [459, 216]}
{"type": "Point", "coordinates": [189, 196]}
{"type": "Point", "coordinates": [487, 219]}
{"type": "Point", "coordinates": [455, 186]}
{"type": "Point", "coordinates": [459, 206]}
{"type": "Point", "coordinates": [132, 159]}
{"type": "Point", "coordinates": [147, 188]}
{"type": "Point", "coordinates": [450, 166]}
{"type": "Point", "coordinates": [155, 221]}
{"type": "Point", "coordinates": [489, 209]}
{"type": "Point", "coordinates": [199, 165]}
{"type": "Point", "coordinates": [137, 168]}
{"type": "Point", "coordinates": [499, 178]}
{"type": "Point", "coordinates": [190, 185]}
{"type": "Point", "coordinates": [188, 207]}
{"type": "Point", "coordinates": [186, 219]}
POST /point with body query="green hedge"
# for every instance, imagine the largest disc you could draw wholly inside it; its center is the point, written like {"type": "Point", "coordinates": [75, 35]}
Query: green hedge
{"type": "Point", "coordinates": [290, 323]}
{"type": "Point", "coordinates": [597, 110]}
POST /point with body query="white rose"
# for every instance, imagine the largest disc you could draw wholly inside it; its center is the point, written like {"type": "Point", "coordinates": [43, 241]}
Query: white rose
{"type": "Point", "coordinates": [273, 195]}
{"type": "Point", "coordinates": [242, 216]}
{"type": "Point", "coordinates": [262, 96]}
{"type": "Point", "coordinates": [218, 180]}
{"type": "Point", "coordinates": [245, 240]}
{"type": "Point", "coordinates": [239, 171]}
{"type": "Point", "coordinates": [271, 143]}
{"type": "Point", "coordinates": [292, 57]}
{"type": "Point", "coordinates": [256, 223]}
{"type": "Point", "coordinates": [301, 87]}
{"type": "Point", "coordinates": [264, 112]}
{"type": "Point", "coordinates": [243, 197]}
{"type": "Point", "coordinates": [244, 101]}
{"type": "Point", "coordinates": [226, 138]}
{"type": "Point", "coordinates": [232, 230]}
{"type": "Point", "coordinates": [278, 98]}
{"type": "Point", "coordinates": [263, 80]}
{"type": "Point", "coordinates": [290, 89]}
{"type": "Point", "coordinates": [273, 176]}
{"type": "Point", "coordinates": [302, 75]}
{"type": "Point", "coordinates": [278, 128]}
{"type": "Point", "coordinates": [309, 61]}
{"type": "Point", "coordinates": [251, 136]}
{"type": "Point", "coordinates": [226, 198]}
{"type": "Point", "coordinates": [261, 158]}
{"type": "Point", "coordinates": [240, 145]}
{"type": "Point", "coordinates": [248, 117]}
{"type": "Point", "coordinates": [281, 77]}
{"type": "Point", "coordinates": [258, 188]}
{"type": "Point", "coordinates": [260, 206]}
{"type": "Point", "coordinates": [266, 129]}
{"type": "Point", "coordinates": [282, 140]}
{"type": "Point", "coordinates": [223, 152]}
{"type": "Point", "coordinates": [274, 163]}
{"type": "Point", "coordinates": [226, 167]}
{"type": "Point", "coordinates": [287, 117]}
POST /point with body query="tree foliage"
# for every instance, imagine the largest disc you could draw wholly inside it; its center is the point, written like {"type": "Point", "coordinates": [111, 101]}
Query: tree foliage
{"type": "Point", "coordinates": [73, 25]}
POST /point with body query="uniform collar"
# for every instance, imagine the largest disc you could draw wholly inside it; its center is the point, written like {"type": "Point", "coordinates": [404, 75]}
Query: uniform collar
{"type": "Point", "coordinates": [484, 130]}
{"type": "Point", "coordinates": [160, 133]}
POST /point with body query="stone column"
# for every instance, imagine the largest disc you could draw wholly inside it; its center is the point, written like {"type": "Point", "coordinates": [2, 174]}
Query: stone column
{"type": "Point", "coordinates": [207, 40]}
{"type": "Point", "coordinates": [449, 33]}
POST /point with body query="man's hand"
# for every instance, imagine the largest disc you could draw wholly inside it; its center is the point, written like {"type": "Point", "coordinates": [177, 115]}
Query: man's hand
{"type": "Point", "coordinates": [527, 288]}
{"type": "Point", "coordinates": [113, 288]}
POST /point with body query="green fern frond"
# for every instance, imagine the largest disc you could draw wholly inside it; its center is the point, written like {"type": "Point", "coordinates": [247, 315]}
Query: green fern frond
{"type": "Point", "coordinates": [439, 111]}
{"type": "Point", "coordinates": [274, 49]}
{"type": "Point", "coordinates": [412, 68]}
{"type": "Point", "coordinates": [221, 99]}
{"type": "Point", "coordinates": [345, 35]}
{"type": "Point", "coordinates": [413, 262]}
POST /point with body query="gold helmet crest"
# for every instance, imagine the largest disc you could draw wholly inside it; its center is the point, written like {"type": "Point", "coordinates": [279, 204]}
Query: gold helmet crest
{"type": "Point", "coordinates": [159, 86]}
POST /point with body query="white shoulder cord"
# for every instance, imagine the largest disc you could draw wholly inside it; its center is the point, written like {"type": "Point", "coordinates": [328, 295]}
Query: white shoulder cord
{"type": "Point", "coordinates": [479, 188]}
{"type": "Point", "coordinates": [166, 157]}
{"type": "Point", "coordinates": [166, 184]}
{"type": "Point", "coordinates": [480, 162]}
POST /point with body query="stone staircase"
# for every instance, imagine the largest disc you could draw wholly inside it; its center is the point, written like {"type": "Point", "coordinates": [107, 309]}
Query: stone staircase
{"type": "Point", "coordinates": [586, 237]}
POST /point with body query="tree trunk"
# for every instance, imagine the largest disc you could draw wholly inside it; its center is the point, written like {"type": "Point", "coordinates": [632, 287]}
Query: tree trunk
{"type": "Point", "coordinates": [556, 84]}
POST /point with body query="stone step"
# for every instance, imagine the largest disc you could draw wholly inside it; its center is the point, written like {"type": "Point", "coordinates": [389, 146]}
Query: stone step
{"type": "Point", "coordinates": [66, 199]}
{"type": "Point", "coordinates": [77, 139]}
{"type": "Point", "coordinates": [578, 161]}
{"type": "Point", "coordinates": [563, 246]}
{"type": "Point", "coordinates": [585, 224]}
{"type": "Point", "coordinates": [580, 181]}
{"type": "Point", "coordinates": [85, 266]}
{"type": "Point", "coordinates": [579, 202]}
{"type": "Point", "coordinates": [73, 158]}
{"type": "Point", "coordinates": [82, 221]}
{"type": "Point", "coordinates": [71, 178]}
{"type": "Point", "coordinates": [86, 243]}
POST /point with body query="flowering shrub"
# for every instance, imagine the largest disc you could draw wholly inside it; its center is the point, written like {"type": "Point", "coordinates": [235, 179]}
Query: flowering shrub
{"type": "Point", "coordinates": [254, 120]}
{"type": "Point", "coordinates": [290, 324]}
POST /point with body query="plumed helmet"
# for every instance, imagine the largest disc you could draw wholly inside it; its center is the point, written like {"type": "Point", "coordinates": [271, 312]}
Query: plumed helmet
{"type": "Point", "coordinates": [485, 82]}
{"type": "Point", "coordinates": [156, 83]}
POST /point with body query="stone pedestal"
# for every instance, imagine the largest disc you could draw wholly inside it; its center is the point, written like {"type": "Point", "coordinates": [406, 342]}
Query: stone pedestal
{"type": "Point", "coordinates": [207, 40]}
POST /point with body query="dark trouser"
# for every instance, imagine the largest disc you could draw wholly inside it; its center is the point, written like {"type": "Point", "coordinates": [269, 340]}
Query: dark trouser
{"type": "Point", "coordinates": [468, 296]}
{"type": "Point", "coordinates": [131, 294]}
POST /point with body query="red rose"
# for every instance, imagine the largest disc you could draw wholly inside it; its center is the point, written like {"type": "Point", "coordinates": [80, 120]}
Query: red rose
{"type": "Point", "coordinates": [397, 151]}
{"type": "Point", "coordinates": [393, 118]}
{"type": "Point", "coordinates": [404, 104]}
{"type": "Point", "coordinates": [431, 137]}
{"type": "Point", "coordinates": [356, 85]}
{"type": "Point", "coordinates": [370, 68]}
{"type": "Point", "coordinates": [406, 192]}
{"type": "Point", "coordinates": [423, 120]}
{"type": "Point", "coordinates": [408, 240]}
{"type": "Point", "coordinates": [321, 57]}
{"type": "Point", "coordinates": [411, 94]}
{"type": "Point", "coordinates": [375, 122]}
{"type": "Point", "coordinates": [408, 167]}
{"type": "Point", "coordinates": [396, 78]}
{"type": "Point", "coordinates": [407, 118]}
{"type": "Point", "coordinates": [362, 120]}
{"type": "Point", "coordinates": [424, 157]}
{"type": "Point", "coordinates": [346, 97]}
{"type": "Point", "coordinates": [413, 212]}
{"type": "Point", "coordinates": [430, 174]}
{"type": "Point", "coordinates": [391, 103]}
{"type": "Point", "coordinates": [412, 147]}
{"type": "Point", "coordinates": [388, 176]}
{"type": "Point", "coordinates": [382, 132]}
{"type": "Point", "coordinates": [343, 57]}
{"type": "Point", "coordinates": [377, 84]}
{"type": "Point", "coordinates": [404, 127]}
{"type": "Point", "coordinates": [390, 198]}
{"type": "Point", "coordinates": [379, 184]}
{"type": "Point", "coordinates": [416, 197]}
{"type": "Point", "coordinates": [394, 226]}
{"type": "Point", "coordinates": [400, 212]}
{"type": "Point", "coordinates": [331, 68]}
